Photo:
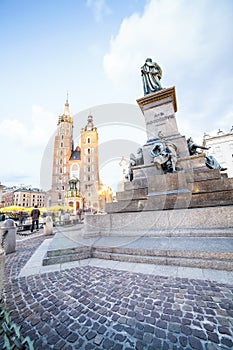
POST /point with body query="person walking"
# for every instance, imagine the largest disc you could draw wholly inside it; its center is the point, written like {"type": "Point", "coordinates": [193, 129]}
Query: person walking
{"type": "Point", "coordinates": [35, 214]}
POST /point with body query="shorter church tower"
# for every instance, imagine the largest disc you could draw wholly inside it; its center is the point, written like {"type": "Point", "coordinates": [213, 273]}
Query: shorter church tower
{"type": "Point", "coordinates": [90, 167]}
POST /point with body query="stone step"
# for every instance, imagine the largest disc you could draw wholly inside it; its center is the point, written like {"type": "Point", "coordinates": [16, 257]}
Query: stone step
{"type": "Point", "coordinates": [225, 265]}
{"type": "Point", "coordinates": [66, 256]}
{"type": "Point", "coordinates": [220, 260]}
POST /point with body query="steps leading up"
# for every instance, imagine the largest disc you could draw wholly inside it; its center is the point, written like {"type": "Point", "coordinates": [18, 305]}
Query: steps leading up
{"type": "Point", "coordinates": [198, 252]}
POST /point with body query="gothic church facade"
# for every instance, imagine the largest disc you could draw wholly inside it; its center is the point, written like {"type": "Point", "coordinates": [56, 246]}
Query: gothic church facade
{"type": "Point", "coordinates": [80, 163]}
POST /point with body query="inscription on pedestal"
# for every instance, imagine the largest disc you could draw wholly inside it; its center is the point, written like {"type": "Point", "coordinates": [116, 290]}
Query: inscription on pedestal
{"type": "Point", "coordinates": [160, 119]}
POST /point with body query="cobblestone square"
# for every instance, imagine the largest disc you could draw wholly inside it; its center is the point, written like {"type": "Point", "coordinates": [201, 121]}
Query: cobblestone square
{"type": "Point", "coordinates": [90, 307]}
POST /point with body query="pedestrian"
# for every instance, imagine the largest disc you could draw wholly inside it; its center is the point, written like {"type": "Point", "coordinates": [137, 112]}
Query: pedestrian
{"type": "Point", "coordinates": [80, 214]}
{"type": "Point", "coordinates": [35, 214]}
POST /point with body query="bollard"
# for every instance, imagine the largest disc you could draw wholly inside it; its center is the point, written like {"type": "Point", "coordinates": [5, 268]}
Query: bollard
{"type": "Point", "coordinates": [2, 268]}
{"type": "Point", "coordinates": [48, 227]}
{"type": "Point", "coordinates": [8, 236]}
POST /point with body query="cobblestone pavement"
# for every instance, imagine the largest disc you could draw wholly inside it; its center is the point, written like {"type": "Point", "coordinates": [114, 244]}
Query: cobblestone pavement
{"type": "Point", "coordinates": [97, 308]}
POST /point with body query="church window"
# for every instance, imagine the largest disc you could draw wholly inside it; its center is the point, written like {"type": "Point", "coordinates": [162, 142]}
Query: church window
{"type": "Point", "coordinates": [61, 153]}
{"type": "Point", "coordinates": [60, 170]}
{"type": "Point", "coordinates": [88, 178]}
{"type": "Point", "coordinates": [61, 144]}
{"type": "Point", "coordinates": [89, 159]}
{"type": "Point", "coordinates": [59, 195]}
{"type": "Point", "coordinates": [88, 140]}
{"type": "Point", "coordinates": [88, 169]}
{"type": "Point", "coordinates": [60, 161]}
{"type": "Point", "coordinates": [62, 137]}
{"type": "Point", "coordinates": [89, 151]}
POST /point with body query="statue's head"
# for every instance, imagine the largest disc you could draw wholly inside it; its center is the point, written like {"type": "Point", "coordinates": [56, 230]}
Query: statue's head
{"type": "Point", "coordinates": [148, 60]}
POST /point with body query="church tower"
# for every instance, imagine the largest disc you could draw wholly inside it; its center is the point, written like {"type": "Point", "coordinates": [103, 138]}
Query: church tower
{"type": "Point", "coordinates": [89, 175]}
{"type": "Point", "coordinates": [62, 151]}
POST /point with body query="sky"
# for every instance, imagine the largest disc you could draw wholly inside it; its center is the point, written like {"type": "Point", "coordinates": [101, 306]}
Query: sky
{"type": "Point", "coordinates": [94, 50]}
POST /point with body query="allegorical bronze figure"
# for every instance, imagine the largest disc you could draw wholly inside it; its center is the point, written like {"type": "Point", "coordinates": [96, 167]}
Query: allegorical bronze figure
{"type": "Point", "coordinates": [210, 161]}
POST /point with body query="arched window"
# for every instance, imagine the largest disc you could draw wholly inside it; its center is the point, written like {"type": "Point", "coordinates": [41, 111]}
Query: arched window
{"type": "Point", "coordinates": [75, 171]}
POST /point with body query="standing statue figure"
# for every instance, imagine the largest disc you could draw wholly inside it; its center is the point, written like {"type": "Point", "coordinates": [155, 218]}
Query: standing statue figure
{"type": "Point", "coordinates": [151, 76]}
{"type": "Point", "coordinates": [164, 153]}
{"type": "Point", "coordinates": [210, 161]}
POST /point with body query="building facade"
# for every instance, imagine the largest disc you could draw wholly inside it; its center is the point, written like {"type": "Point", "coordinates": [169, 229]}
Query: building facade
{"type": "Point", "coordinates": [23, 196]}
{"type": "Point", "coordinates": [80, 163]}
{"type": "Point", "coordinates": [221, 147]}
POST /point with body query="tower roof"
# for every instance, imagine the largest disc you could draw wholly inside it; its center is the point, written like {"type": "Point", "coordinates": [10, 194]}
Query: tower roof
{"type": "Point", "coordinates": [90, 125]}
{"type": "Point", "coordinates": [66, 117]}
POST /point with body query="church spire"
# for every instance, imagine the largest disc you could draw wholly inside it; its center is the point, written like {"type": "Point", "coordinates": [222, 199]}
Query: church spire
{"type": "Point", "coordinates": [67, 111]}
{"type": "Point", "coordinates": [66, 117]}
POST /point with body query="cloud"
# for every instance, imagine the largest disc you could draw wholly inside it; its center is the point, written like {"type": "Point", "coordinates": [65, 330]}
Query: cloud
{"type": "Point", "coordinates": [23, 144]}
{"type": "Point", "coordinates": [100, 9]}
{"type": "Point", "coordinates": [190, 41]}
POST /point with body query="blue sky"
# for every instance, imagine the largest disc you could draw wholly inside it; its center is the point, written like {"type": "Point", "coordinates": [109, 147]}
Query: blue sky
{"type": "Point", "coordinates": [94, 49]}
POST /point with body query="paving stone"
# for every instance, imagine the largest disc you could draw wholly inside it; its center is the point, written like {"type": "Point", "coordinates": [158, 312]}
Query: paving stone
{"type": "Point", "coordinates": [161, 324]}
{"type": "Point", "coordinates": [148, 337]}
{"type": "Point", "coordinates": [213, 337]}
{"type": "Point", "coordinates": [224, 330]}
{"type": "Point", "coordinates": [90, 335]}
{"type": "Point", "coordinates": [171, 337]}
{"type": "Point", "coordinates": [108, 344]}
{"type": "Point", "coordinates": [195, 343]}
{"type": "Point", "coordinates": [228, 342]}
{"type": "Point", "coordinates": [72, 337]}
{"type": "Point", "coordinates": [120, 337]}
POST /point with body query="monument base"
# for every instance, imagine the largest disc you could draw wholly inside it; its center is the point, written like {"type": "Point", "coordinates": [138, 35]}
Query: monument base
{"type": "Point", "coordinates": [213, 221]}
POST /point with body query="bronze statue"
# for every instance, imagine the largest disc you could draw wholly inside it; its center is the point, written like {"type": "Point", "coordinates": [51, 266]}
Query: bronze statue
{"type": "Point", "coordinates": [133, 161]}
{"type": "Point", "coordinates": [210, 161]}
{"type": "Point", "coordinates": [193, 147]}
{"type": "Point", "coordinates": [151, 76]}
{"type": "Point", "coordinates": [138, 159]}
{"type": "Point", "coordinates": [164, 153]}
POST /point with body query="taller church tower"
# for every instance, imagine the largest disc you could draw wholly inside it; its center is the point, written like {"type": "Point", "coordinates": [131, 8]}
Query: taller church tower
{"type": "Point", "coordinates": [63, 144]}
